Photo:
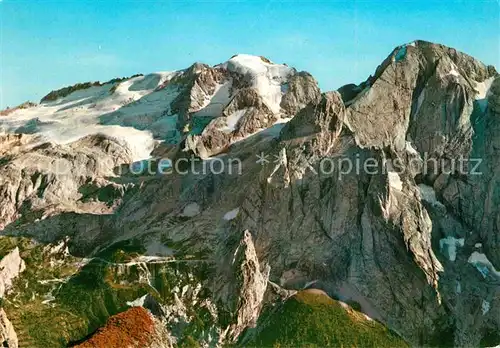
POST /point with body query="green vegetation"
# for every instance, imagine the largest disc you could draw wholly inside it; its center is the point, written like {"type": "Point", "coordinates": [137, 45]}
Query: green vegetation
{"type": "Point", "coordinates": [121, 79]}
{"type": "Point", "coordinates": [123, 251]}
{"type": "Point", "coordinates": [312, 319]}
{"type": "Point", "coordinates": [61, 299]}
{"type": "Point", "coordinates": [444, 334]}
{"type": "Point", "coordinates": [57, 300]}
{"type": "Point", "coordinates": [189, 342]}
{"type": "Point", "coordinates": [65, 91]}
{"type": "Point", "coordinates": [25, 105]}
{"type": "Point", "coordinates": [94, 295]}
{"type": "Point", "coordinates": [265, 60]}
{"type": "Point", "coordinates": [490, 339]}
{"type": "Point", "coordinates": [29, 306]}
{"type": "Point", "coordinates": [107, 194]}
{"type": "Point", "coordinates": [7, 244]}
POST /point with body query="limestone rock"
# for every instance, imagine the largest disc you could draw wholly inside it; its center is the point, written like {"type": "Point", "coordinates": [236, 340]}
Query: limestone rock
{"type": "Point", "coordinates": [8, 337]}
{"type": "Point", "coordinates": [11, 265]}
{"type": "Point", "coordinates": [252, 279]}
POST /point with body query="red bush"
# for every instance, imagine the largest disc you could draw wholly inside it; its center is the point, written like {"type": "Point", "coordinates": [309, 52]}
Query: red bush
{"type": "Point", "coordinates": [133, 328]}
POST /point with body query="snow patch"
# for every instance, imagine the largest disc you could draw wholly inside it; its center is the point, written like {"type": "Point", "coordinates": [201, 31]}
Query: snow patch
{"type": "Point", "coordinates": [420, 101]}
{"type": "Point", "coordinates": [133, 103]}
{"type": "Point", "coordinates": [230, 215]}
{"type": "Point", "coordinates": [266, 78]}
{"type": "Point", "coordinates": [215, 105]}
{"type": "Point", "coordinates": [190, 210]}
{"type": "Point", "coordinates": [233, 119]}
{"type": "Point", "coordinates": [483, 264]}
{"type": "Point", "coordinates": [428, 195]}
{"type": "Point", "coordinates": [448, 247]}
{"type": "Point", "coordinates": [483, 88]}
{"type": "Point", "coordinates": [139, 302]}
{"type": "Point", "coordinates": [485, 307]}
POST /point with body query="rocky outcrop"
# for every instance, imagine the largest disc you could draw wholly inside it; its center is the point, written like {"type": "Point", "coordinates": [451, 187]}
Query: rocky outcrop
{"type": "Point", "coordinates": [472, 197]}
{"type": "Point", "coordinates": [199, 83]}
{"type": "Point", "coordinates": [22, 106]}
{"type": "Point", "coordinates": [11, 144]}
{"type": "Point", "coordinates": [319, 124]}
{"type": "Point", "coordinates": [331, 225]}
{"type": "Point", "coordinates": [300, 90]}
{"type": "Point", "coordinates": [416, 79]}
{"type": "Point", "coordinates": [50, 179]}
{"type": "Point", "coordinates": [8, 337]}
{"type": "Point", "coordinates": [261, 94]}
{"type": "Point", "coordinates": [11, 265]}
{"type": "Point", "coordinates": [251, 280]}
{"type": "Point", "coordinates": [430, 99]}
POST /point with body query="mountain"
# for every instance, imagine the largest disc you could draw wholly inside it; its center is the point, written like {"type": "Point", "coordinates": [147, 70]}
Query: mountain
{"type": "Point", "coordinates": [242, 206]}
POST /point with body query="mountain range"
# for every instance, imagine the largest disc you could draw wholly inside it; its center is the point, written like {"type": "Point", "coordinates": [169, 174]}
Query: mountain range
{"type": "Point", "coordinates": [239, 205]}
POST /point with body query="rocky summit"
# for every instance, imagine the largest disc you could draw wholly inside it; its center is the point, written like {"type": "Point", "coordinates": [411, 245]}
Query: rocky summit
{"type": "Point", "coordinates": [239, 205]}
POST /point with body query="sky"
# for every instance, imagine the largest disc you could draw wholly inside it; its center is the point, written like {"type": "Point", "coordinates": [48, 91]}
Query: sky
{"type": "Point", "coordinates": [47, 44]}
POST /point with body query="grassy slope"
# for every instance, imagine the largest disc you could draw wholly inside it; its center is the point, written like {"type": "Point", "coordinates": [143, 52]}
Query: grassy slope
{"type": "Point", "coordinates": [81, 304]}
{"type": "Point", "coordinates": [95, 292]}
{"type": "Point", "coordinates": [311, 319]}
{"type": "Point", "coordinates": [89, 295]}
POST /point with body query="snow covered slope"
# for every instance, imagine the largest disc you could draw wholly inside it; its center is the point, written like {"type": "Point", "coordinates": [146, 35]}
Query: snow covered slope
{"type": "Point", "coordinates": [77, 115]}
{"type": "Point", "coordinates": [267, 78]}
{"type": "Point", "coordinates": [142, 111]}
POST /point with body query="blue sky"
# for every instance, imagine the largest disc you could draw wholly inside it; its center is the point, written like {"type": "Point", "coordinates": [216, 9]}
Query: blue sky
{"type": "Point", "coordinates": [46, 44]}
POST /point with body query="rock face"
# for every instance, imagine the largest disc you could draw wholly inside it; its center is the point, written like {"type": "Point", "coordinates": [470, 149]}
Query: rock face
{"type": "Point", "coordinates": [260, 94]}
{"type": "Point", "coordinates": [8, 336]}
{"type": "Point", "coordinates": [252, 284]}
{"type": "Point", "coordinates": [11, 265]}
{"type": "Point", "coordinates": [48, 179]}
{"type": "Point", "coordinates": [370, 194]}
